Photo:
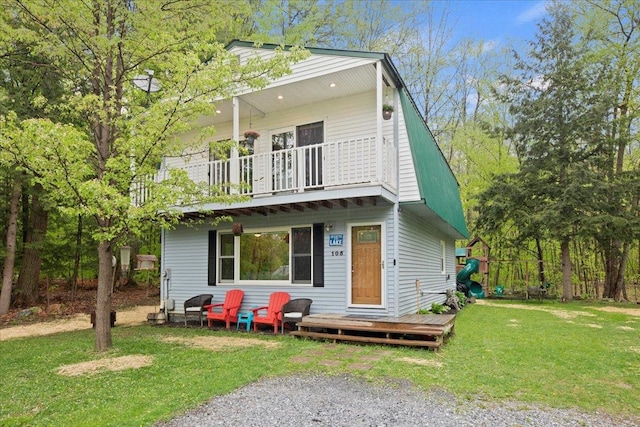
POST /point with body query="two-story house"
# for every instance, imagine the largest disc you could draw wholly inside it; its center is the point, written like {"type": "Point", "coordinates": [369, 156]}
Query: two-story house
{"type": "Point", "coordinates": [354, 210]}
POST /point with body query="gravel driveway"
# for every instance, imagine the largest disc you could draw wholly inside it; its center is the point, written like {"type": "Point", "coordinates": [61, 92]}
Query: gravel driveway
{"type": "Point", "coordinates": [321, 400]}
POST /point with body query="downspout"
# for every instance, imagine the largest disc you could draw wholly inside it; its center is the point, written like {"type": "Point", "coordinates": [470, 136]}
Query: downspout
{"type": "Point", "coordinates": [163, 295]}
{"type": "Point", "coordinates": [163, 314]}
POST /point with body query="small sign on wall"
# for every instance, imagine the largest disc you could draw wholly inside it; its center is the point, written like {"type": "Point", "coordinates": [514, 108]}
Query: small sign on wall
{"type": "Point", "coordinates": [336, 239]}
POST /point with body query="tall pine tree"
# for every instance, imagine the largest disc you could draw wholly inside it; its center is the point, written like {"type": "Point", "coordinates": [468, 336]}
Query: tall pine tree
{"type": "Point", "coordinates": [558, 135]}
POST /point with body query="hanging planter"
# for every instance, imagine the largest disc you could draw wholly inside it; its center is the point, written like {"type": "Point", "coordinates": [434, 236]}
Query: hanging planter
{"type": "Point", "coordinates": [250, 136]}
{"type": "Point", "coordinates": [387, 111]}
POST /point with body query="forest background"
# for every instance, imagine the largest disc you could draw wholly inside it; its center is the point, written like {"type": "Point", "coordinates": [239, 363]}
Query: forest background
{"type": "Point", "coordinates": [541, 134]}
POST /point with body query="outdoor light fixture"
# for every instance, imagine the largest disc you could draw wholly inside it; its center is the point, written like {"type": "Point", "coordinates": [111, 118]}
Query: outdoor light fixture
{"type": "Point", "coordinates": [125, 258]}
{"type": "Point", "coordinates": [328, 226]}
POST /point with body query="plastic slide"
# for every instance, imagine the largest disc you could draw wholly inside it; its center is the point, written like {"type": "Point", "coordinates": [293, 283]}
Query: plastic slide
{"type": "Point", "coordinates": [464, 282]}
{"type": "Point", "coordinates": [472, 266]}
{"type": "Point", "coordinates": [475, 290]}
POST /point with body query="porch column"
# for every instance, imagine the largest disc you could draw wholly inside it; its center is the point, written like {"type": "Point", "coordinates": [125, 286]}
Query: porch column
{"type": "Point", "coordinates": [379, 146]}
{"type": "Point", "coordinates": [234, 160]}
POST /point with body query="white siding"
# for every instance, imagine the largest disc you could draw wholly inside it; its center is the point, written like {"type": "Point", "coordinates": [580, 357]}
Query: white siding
{"type": "Point", "coordinates": [344, 119]}
{"type": "Point", "coordinates": [347, 118]}
{"type": "Point", "coordinates": [408, 181]}
{"type": "Point", "coordinates": [186, 255]}
{"type": "Point", "coordinates": [314, 66]}
{"type": "Point", "coordinates": [419, 255]}
{"type": "Point", "coordinates": [419, 258]}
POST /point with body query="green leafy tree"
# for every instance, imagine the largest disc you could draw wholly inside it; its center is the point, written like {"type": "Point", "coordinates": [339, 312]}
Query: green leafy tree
{"type": "Point", "coordinates": [613, 29]}
{"type": "Point", "coordinates": [558, 131]}
{"type": "Point", "coordinates": [21, 85]}
{"type": "Point", "coordinates": [119, 134]}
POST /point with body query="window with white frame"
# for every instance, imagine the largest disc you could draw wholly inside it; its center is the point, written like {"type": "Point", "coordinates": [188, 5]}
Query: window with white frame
{"type": "Point", "coordinates": [443, 257]}
{"type": "Point", "coordinates": [227, 257]}
{"type": "Point", "coordinates": [301, 254]}
{"type": "Point", "coordinates": [276, 255]}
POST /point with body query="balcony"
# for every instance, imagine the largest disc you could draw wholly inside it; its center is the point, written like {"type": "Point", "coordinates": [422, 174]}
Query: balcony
{"type": "Point", "coordinates": [331, 165]}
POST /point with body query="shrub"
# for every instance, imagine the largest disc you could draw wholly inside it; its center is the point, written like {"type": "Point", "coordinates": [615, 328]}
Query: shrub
{"type": "Point", "coordinates": [437, 308]}
{"type": "Point", "coordinates": [462, 298]}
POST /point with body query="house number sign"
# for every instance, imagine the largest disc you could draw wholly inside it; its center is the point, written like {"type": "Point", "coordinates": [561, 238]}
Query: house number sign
{"type": "Point", "coordinates": [336, 239]}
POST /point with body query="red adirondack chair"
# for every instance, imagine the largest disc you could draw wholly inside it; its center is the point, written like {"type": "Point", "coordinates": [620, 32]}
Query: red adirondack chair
{"type": "Point", "coordinates": [229, 308]}
{"type": "Point", "coordinates": [273, 314]}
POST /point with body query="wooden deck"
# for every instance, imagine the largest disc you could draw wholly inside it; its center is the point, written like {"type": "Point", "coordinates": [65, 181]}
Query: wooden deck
{"type": "Point", "coordinates": [415, 330]}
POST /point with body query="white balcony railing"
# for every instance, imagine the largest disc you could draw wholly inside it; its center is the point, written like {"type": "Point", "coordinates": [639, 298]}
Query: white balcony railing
{"type": "Point", "coordinates": [333, 164]}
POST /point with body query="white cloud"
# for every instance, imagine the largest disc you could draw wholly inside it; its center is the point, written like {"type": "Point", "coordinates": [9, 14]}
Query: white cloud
{"type": "Point", "coordinates": [535, 12]}
{"type": "Point", "coordinates": [490, 45]}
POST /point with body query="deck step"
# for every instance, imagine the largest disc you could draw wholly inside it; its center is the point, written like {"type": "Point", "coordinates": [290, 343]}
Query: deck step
{"type": "Point", "coordinates": [413, 331]}
{"type": "Point", "coordinates": [375, 340]}
{"type": "Point", "coordinates": [394, 329]}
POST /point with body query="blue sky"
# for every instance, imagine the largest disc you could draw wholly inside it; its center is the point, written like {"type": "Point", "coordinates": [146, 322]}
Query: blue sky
{"type": "Point", "coordinates": [497, 21]}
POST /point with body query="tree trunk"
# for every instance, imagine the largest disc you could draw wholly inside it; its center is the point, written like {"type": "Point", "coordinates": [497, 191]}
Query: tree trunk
{"type": "Point", "coordinates": [10, 258]}
{"type": "Point", "coordinates": [567, 294]}
{"type": "Point", "coordinates": [541, 277]}
{"type": "Point", "coordinates": [620, 290]}
{"type": "Point", "coordinates": [27, 285]}
{"type": "Point", "coordinates": [616, 256]}
{"type": "Point", "coordinates": [76, 261]}
{"type": "Point", "coordinates": [103, 301]}
{"type": "Point", "coordinates": [608, 256]}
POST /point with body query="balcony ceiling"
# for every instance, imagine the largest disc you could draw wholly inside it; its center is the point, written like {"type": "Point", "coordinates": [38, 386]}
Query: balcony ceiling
{"type": "Point", "coordinates": [293, 207]}
{"type": "Point", "coordinates": [347, 82]}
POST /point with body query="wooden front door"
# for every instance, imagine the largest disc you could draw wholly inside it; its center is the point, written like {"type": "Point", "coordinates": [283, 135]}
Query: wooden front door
{"type": "Point", "coordinates": [366, 265]}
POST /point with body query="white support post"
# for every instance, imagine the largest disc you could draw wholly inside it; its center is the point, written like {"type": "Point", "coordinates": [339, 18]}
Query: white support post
{"type": "Point", "coordinates": [379, 145]}
{"type": "Point", "coordinates": [300, 155]}
{"type": "Point", "coordinates": [234, 163]}
{"type": "Point", "coordinates": [396, 138]}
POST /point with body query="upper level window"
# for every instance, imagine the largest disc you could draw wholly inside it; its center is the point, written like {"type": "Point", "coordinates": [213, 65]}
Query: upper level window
{"type": "Point", "coordinates": [220, 150]}
{"type": "Point", "coordinates": [310, 134]}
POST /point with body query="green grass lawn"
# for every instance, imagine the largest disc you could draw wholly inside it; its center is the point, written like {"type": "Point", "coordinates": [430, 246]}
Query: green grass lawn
{"type": "Point", "coordinates": [565, 355]}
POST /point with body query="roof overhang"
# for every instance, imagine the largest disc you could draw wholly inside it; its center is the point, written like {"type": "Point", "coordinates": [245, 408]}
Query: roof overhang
{"type": "Point", "coordinates": [284, 94]}
{"type": "Point", "coordinates": [343, 198]}
{"type": "Point", "coordinates": [422, 210]}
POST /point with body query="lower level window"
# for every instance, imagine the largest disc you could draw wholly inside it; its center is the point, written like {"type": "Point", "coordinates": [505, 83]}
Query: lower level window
{"type": "Point", "coordinates": [282, 255]}
{"type": "Point", "coordinates": [264, 256]}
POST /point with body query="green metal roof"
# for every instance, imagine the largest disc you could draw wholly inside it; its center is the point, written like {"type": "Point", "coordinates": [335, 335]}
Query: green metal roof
{"type": "Point", "coordinates": [437, 184]}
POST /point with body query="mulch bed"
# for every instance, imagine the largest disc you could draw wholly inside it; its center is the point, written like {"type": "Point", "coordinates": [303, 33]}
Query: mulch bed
{"type": "Point", "coordinates": [61, 305]}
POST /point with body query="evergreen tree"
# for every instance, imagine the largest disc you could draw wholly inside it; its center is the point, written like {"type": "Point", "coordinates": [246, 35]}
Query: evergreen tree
{"type": "Point", "coordinates": [558, 135]}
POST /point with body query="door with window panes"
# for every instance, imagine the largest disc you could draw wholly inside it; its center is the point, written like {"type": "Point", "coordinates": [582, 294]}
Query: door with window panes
{"type": "Point", "coordinates": [366, 265]}
{"type": "Point", "coordinates": [288, 166]}
{"type": "Point", "coordinates": [282, 160]}
{"type": "Point", "coordinates": [219, 172]}
{"type": "Point", "coordinates": [311, 136]}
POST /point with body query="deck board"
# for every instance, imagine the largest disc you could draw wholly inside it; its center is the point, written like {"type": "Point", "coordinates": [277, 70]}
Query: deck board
{"type": "Point", "coordinates": [426, 330]}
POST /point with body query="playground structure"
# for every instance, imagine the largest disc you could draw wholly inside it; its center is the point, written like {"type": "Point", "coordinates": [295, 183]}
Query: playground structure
{"type": "Point", "coordinates": [473, 259]}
